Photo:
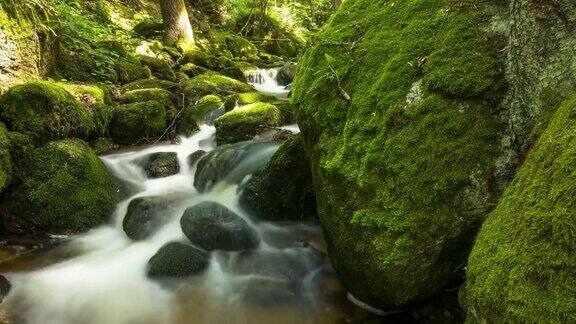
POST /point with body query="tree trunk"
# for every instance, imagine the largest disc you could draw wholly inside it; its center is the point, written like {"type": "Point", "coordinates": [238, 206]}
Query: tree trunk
{"type": "Point", "coordinates": [176, 22]}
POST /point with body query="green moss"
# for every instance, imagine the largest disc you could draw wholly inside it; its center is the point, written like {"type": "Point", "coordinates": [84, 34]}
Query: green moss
{"type": "Point", "coordinates": [138, 122]}
{"type": "Point", "coordinates": [160, 68]}
{"type": "Point", "coordinates": [140, 95]}
{"type": "Point", "coordinates": [192, 69]}
{"type": "Point", "coordinates": [240, 47]}
{"type": "Point", "coordinates": [149, 28]}
{"type": "Point", "coordinates": [66, 189]}
{"type": "Point", "coordinates": [102, 145]}
{"type": "Point", "coordinates": [398, 121]}
{"type": "Point", "coordinates": [522, 267]}
{"type": "Point", "coordinates": [268, 32]}
{"type": "Point", "coordinates": [45, 111]}
{"type": "Point", "coordinates": [150, 84]}
{"type": "Point", "coordinates": [218, 61]}
{"type": "Point", "coordinates": [5, 161]}
{"type": "Point", "coordinates": [212, 83]}
{"type": "Point", "coordinates": [243, 123]}
{"type": "Point", "coordinates": [283, 190]}
{"type": "Point", "coordinates": [20, 147]}
{"type": "Point", "coordinates": [130, 71]}
{"type": "Point", "coordinates": [241, 99]}
{"type": "Point", "coordinates": [187, 123]}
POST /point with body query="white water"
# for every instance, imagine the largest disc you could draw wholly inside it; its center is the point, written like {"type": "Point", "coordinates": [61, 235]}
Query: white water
{"type": "Point", "coordinates": [107, 283]}
{"type": "Point", "coordinates": [265, 82]}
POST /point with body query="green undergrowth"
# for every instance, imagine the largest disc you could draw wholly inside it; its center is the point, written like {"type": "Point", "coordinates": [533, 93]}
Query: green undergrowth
{"type": "Point", "coordinates": [522, 267]}
{"type": "Point", "coordinates": [396, 103]}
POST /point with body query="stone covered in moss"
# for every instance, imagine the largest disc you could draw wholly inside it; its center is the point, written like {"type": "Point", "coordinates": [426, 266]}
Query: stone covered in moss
{"type": "Point", "coordinates": [244, 123]}
{"type": "Point", "coordinates": [240, 46]}
{"type": "Point", "coordinates": [66, 189]}
{"type": "Point", "coordinates": [212, 83]}
{"type": "Point", "coordinates": [192, 70]}
{"type": "Point", "coordinates": [130, 71]}
{"type": "Point", "coordinates": [177, 260]}
{"type": "Point", "coordinates": [136, 122]}
{"type": "Point", "coordinates": [140, 95]}
{"type": "Point", "coordinates": [396, 102]}
{"type": "Point", "coordinates": [45, 111]}
{"type": "Point", "coordinates": [149, 28]}
{"type": "Point", "coordinates": [5, 161]}
{"type": "Point", "coordinates": [159, 68]}
{"type": "Point", "coordinates": [150, 84]}
{"type": "Point", "coordinates": [283, 190]}
{"type": "Point", "coordinates": [522, 267]}
{"type": "Point", "coordinates": [161, 164]}
{"type": "Point", "coordinates": [218, 62]}
{"type": "Point", "coordinates": [241, 99]}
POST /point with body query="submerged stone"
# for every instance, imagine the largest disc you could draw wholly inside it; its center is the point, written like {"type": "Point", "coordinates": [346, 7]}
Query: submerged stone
{"type": "Point", "coordinates": [177, 260]}
{"type": "Point", "coordinates": [215, 227]}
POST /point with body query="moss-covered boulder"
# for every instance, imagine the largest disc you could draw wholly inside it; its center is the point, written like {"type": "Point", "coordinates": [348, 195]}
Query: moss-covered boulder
{"type": "Point", "coordinates": [397, 103]}
{"type": "Point", "coordinates": [136, 122]}
{"type": "Point", "coordinates": [244, 123]}
{"type": "Point", "coordinates": [212, 83]}
{"type": "Point", "coordinates": [159, 68]}
{"type": "Point", "coordinates": [45, 111]}
{"type": "Point", "coordinates": [241, 99]}
{"type": "Point", "coordinates": [192, 70]}
{"type": "Point", "coordinates": [522, 267]}
{"type": "Point", "coordinates": [205, 110]}
{"type": "Point", "coordinates": [214, 62]}
{"type": "Point", "coordinates": [5, 159]}
{"type": "Point", "coordinates": [150, 84]}
{"type": "Point", "coordinates": [149, 28]}
{"type": "Point", "coordinates": [140, 95]}
{"type": "Point", "coordinates": [65, 189]}
{"type": "Point", "coordinates": [283, 190]}
{"type": "Point", "coordinates": [131, 70]}
{"type": "Point", "coordinates": [240, 47]}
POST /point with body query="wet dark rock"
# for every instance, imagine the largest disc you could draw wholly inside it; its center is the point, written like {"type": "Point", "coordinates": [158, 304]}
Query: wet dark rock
{"type": "Point", "coordinates": [215, 227]}
{"type": "Point", "coordinates": [4, 287]}
{"type": "Point", "coordinates": [286, 74]}
{"type": "Point", "coordinates": [177, 260]}
{"type": "Point", "coordinates": [231, 163]}
{"type": "Point", "coordinates": [283, 190]}
{"type": "Point", "coordinates": [145, 215]}
{"type": "Point", "coordinates": [162, 164]}
{"type": "Point", "coordinates": [195, 157]}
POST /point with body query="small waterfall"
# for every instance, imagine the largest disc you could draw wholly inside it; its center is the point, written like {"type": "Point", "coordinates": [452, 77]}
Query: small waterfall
{"type": "Point", "coordinates": [285, 280]}
{"type": "Point", "coordinates": [264, 80]}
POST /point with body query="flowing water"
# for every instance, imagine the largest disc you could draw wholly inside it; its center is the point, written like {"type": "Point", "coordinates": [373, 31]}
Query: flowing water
{"type": "Point", "coordinates": [100, 276]}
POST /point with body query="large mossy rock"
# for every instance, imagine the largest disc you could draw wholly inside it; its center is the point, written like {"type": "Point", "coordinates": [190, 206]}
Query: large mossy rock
{"type": "Point", "coordinates": [177, 260]}
{"type": "Point", "coordinates": [150, 84]}
{"type": "Point", "coordinates": [241, 99]}
{"type": "Point", "coordinates": [283, 190]}
{"type": "Point", "coordinates": [212, 83]}
{"type": "Point", "coordinates": [65, 189]}
{"type": "Point", "coordinates": [212, 226]}
{"type": "Point", "coordinates": [5, 158]}
{"type": "Point", "coordinates": [159, 68]}
{"type": "Point", "coordinates": [205, 110]}
{"type": "Point", "coordinates": [45, 111]}
{"type": "Point", "coordinates": [397, 102]}
{"type": "Point", "coordinates": [522, 268]}
{"type": "Point", "coordinates": [137, 122]}
{"type": "Point", "coordinates": [244, 123]}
